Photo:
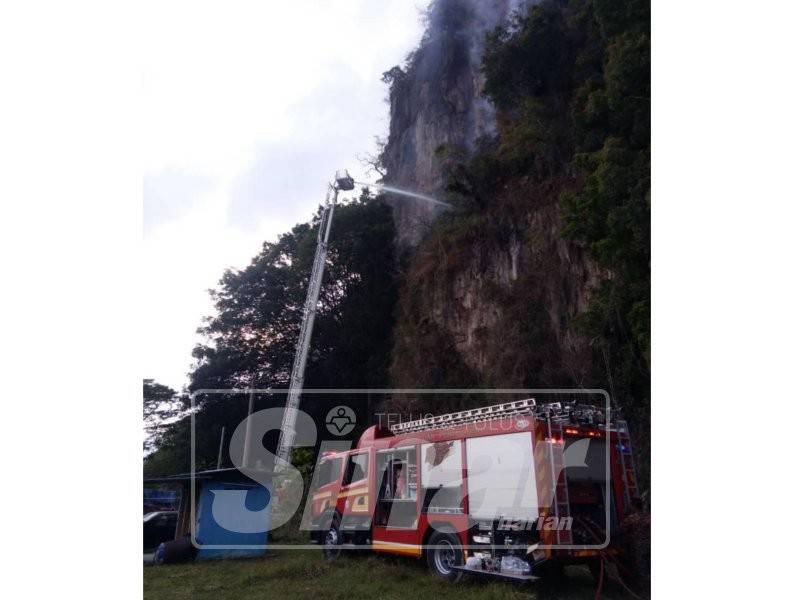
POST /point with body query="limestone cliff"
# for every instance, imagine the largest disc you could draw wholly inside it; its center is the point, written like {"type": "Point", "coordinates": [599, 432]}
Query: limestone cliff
{"type": "Point", "coordinates": [436, 100]}
{"type": "Point", "coordinates": [490, 302]}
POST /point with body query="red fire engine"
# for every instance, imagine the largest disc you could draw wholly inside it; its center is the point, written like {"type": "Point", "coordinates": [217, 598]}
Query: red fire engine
{"type": "Point", "coordinates": [503, 490]}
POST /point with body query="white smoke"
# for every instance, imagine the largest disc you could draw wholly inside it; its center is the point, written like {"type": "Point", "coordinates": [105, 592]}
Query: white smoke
{"type": "Point", "coordinates": [487, 16]}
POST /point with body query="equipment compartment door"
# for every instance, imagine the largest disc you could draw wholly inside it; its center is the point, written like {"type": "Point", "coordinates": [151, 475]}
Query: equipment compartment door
{"type": "Point", "coordinates": [500, 477]}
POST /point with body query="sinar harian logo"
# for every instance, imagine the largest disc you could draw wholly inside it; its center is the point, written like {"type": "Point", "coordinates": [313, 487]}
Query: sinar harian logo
{"type": "Point", "coordinates": [340, 420]}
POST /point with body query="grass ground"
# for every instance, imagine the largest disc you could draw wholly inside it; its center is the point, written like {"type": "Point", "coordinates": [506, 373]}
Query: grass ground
{"type": "Point", "coordinates": [304, 574]}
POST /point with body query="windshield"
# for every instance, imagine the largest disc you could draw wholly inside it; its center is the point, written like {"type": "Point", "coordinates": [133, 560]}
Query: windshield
{"type": "Point", "coordinates": [327, 471]}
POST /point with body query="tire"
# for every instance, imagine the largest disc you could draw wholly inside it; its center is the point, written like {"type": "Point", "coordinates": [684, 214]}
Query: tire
{"type": "Point", "coordinates": [445, 553]}
{"type": "Point", "coordinates": [158, 555]}
{"type": "Point", "coordinates": [331, 541]}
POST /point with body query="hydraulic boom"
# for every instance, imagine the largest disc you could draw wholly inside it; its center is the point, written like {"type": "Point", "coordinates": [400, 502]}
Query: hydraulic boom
{"type": "Point", "coordinates": [343, 181]}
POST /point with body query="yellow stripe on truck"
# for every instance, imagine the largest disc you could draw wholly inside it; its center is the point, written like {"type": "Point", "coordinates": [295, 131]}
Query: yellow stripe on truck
{"type": "Point", "coordinates": [397, 548]}
{"type": "Point", "coordinates": [355, 492]}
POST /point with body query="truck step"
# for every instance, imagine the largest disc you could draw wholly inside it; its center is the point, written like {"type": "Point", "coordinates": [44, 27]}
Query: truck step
{"type": "Point", "coordinates": [508, 576]}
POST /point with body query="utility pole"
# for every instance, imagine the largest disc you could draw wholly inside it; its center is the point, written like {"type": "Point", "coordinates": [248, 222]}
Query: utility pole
{"type": "Point", "coordinates": [342, 181]}
{"type": "Point", "coordinates": [219, 454]}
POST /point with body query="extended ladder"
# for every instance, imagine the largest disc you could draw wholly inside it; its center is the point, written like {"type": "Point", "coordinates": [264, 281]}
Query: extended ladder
{"type": "Point", "coordinates": [342, 182]}
{"type": "Point", "coordinates": [288, 432]}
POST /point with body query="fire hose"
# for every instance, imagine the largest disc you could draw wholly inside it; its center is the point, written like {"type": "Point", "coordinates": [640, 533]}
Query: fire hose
{"type": "Point", "coordinates": [605, 557]}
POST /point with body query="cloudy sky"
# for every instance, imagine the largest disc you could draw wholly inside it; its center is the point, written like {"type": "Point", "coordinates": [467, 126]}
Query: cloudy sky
{"type": "Point", "coordinates": [249, 109]}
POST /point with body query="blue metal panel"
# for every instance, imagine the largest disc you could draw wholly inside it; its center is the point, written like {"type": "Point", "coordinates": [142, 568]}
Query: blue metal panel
{"type": "Point", "coordinates": [156, 499]}
{"type": "Point", "coordinates": [232, 514]}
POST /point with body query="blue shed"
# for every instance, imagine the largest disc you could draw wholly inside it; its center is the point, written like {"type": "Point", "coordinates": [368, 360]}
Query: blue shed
{"type": "Point", "coordinates": [231, 513]}
{"type": "Point", "coordinates": [232, 519]}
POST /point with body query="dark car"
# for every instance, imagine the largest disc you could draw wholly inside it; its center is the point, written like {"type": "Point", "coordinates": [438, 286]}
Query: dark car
{"type": "Point", "coordinates": [159, 527]}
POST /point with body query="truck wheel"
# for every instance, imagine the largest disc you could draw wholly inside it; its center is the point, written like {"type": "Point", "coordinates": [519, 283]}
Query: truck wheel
{"type": "Point", "coordinates": [444, 554]}
{"type": "Point", "coordinates": [331, 542]}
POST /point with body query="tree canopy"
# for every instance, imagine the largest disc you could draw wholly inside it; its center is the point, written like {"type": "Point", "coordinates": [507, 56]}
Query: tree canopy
{"type": "Point", "coordinates": [250, 341]}
{"type": "Point", "coordinates": [573, 83]}
{"type": "Point", "coordinates": [161, 405]}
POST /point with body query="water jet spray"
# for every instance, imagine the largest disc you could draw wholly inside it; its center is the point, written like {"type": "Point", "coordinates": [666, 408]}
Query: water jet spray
{"type": "Point", "coordinates": [381, 187]}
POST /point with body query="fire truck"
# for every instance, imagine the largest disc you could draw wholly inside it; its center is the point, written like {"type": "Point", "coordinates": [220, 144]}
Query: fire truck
{"type": "Point", "coordinates": [509, 490]}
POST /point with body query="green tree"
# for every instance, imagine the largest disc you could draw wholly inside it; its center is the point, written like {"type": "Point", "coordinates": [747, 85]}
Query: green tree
{"type": "Point", "coordinates": [161, 405]}
{"type": "Point", "coordinates": [571, 81]}
{"type": "Point", "coordinates": [250, 341]}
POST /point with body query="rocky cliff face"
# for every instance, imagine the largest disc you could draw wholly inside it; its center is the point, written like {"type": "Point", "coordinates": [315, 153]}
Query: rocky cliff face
{"type": "Point", "coordinates": [489, 301]}
{"type": "Point", "coordinates": [436, 100]}
{"type": "Point", "coordinates": [492, 305]}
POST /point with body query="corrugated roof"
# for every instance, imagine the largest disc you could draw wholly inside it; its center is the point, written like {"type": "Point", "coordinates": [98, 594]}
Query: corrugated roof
{"type": "Point", "coordinates": [229, 474]}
